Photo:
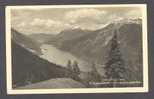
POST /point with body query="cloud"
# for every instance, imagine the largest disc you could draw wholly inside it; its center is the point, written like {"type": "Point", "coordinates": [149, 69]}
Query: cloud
{"type": "Point", "coordinates": [38, 25]}
{"type": "Point", "coordinates": [85, 18]}
{"type": "Point", "coordinates": [50, 25]}
{"type": "Point", "coordinates": [21, 25]}
{"type": "Point", "coordinates": [80, 14]}
{"type": "Point", "coordinates": [134, 14]}
{"type": "Point", "coordinates": [44, 22]}
{"type": "Point", "coordinates": [55, 20]}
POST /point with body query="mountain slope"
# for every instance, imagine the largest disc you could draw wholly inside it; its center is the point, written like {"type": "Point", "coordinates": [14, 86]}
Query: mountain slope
{"type": "Point", "coordinates": [28, 68]}
{"type": "Point", "coordinates": [26, 42]}
{"type": "Point", "coordinates": [41, 37]}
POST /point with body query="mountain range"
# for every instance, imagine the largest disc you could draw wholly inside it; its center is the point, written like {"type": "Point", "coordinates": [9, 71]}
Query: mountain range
{"type": "Point", "coordinates": [94, 46]}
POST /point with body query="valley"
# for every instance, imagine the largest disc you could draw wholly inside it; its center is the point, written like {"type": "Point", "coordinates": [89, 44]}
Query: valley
{"type": "Point", "coordinates": [45, 57]}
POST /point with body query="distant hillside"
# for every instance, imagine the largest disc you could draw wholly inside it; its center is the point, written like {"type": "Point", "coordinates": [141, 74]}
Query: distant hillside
{"type": "Point", "coordinates": [94, 45]}
{"type": "Point", "coordinates": [26, 42]}
{"type": "Point", "coordinates": [42, 37]}
{"type": "Point", "coordinates": [67, 35]}
{"type": "Point", "coordinates": [28, 68]}
{"type": "Point", "coordinates": [72, 34]}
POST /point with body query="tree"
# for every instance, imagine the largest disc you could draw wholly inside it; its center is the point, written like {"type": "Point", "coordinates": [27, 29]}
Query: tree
{"type": "Point", "coordinates": [69, 65]}
{"type": "Point", "coordinates": [114, 67]}
{"type": "Point", "coordinates": [76, 67]}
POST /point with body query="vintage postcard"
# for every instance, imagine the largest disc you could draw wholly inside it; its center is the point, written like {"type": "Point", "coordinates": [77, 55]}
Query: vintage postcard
{"type": "Point", "coordinates": [54, 49]}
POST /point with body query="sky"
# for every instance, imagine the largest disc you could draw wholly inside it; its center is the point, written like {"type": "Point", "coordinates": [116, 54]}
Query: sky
{"type": "Point", "coordinates": [55, 20]}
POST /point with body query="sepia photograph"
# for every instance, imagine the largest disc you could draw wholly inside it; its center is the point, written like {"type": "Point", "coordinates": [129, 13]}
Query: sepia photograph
{"type": "Point", "coordinates": [52, 49]}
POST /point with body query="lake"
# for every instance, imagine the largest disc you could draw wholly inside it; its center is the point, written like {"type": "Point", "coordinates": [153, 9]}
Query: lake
{"type": "Point", "coordinates": [57, 56]}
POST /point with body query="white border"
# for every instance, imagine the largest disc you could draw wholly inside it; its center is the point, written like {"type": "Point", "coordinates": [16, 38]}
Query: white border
{"type": "Point", "coordinates": [76, 90]}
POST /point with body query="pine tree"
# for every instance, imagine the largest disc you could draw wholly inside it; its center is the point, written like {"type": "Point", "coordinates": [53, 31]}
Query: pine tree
{"type": "Point", "coordinates": [115, 65]}
{"type": "Point", "coordinates": [76, 67]}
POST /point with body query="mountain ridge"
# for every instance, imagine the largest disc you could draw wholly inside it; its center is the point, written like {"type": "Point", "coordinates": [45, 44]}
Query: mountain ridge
{"type": "Point", "coordinates": [25, 42]}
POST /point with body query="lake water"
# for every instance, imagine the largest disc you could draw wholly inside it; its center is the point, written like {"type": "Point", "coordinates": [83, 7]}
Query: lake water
{"type": "Point", "coordinates": [57, 56]}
